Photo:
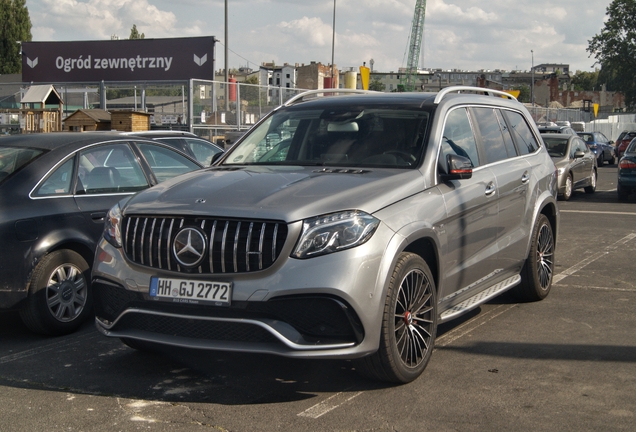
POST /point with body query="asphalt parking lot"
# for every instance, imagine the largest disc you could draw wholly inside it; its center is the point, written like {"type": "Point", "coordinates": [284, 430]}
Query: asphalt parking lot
{"type": "Point", "coordinates": [567, 363]}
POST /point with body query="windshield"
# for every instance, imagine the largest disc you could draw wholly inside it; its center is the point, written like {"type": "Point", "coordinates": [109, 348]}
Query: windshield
{"type": "Point", "coordinates": [14, 158]}
{"type": "Point", "coordinates": [556, 147]}
{"type": "Point", "coordinates": [343, 136]}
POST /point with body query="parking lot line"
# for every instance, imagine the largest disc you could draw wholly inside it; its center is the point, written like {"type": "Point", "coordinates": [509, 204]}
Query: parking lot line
{"type": "Point", "coordinates": [328, 404]}
{"type": "Point", "coordinates": [575, 268]}
{"type": "Point", "coordinates": [599, 212]}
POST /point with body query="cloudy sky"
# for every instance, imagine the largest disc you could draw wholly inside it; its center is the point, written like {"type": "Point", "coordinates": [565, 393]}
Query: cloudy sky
{"type": "Point", "coordinates": [458, 34]}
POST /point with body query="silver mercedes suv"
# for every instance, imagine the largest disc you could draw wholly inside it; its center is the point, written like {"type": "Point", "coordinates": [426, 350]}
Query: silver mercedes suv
{"type": "Point", "coordinates": [340, 226]}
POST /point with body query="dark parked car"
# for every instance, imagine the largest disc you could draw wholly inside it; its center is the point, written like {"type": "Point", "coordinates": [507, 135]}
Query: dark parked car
{"type": "Point", "coordinates": [602, 147]}
{"type": "Point", "coordinates": [557, 129]}
{"type": "Point", "coordinates": [189, 143]}
{"type": "Point", "coordinates": [627, 172]}
{"type": "Point", "coordinates": [338, 227]}
{"type": "Point", "coordinates": [623, 141]}
{"type": "Point", "coordinates": [55, 191]}
{"type": "Point", "coordinates": [575, 163]}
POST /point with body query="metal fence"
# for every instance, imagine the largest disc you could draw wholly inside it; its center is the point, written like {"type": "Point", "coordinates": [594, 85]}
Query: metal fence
{"type": "Point", "coordinates": [216, 110]}
{"type": "Point", "coordinates": [542, 115]}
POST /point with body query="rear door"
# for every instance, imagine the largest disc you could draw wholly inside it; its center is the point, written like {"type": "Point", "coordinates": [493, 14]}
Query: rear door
{"type": "Point", "coordinates": [513, 174]}
{"type": "Point", "coordinates": [106, 174]}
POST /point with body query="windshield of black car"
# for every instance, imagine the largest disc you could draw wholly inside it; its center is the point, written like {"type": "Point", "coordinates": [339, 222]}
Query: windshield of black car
{"type": "Point", "coordinates": [14, 158]}
{"type": "Point", "coordinates": [360, 137]}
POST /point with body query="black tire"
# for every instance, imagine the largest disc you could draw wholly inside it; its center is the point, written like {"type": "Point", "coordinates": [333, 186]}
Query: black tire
{"type": "Point", "coordinates": [567, 192]}
{"type": "Point", "coordinates": [622, 193]}
{"type": "Point", "coordinates": [591, 188]}
{"type": "Point", "coordinates": [409, 324]}
{"type": "Point", "coordinates": [538, 270]}
{"type": "Point", "coordinates": [60, 297]}
{"type": "Point", "coordinates": [600, 161]}
{"type": "Point", "coordinates": [140, 345]}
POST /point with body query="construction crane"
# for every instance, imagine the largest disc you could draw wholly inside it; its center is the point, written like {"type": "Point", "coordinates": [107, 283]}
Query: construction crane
{"type": "Point", "coordinates": [409, 76]}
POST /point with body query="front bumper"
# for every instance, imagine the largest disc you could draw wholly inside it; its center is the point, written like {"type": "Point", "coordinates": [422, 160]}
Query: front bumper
{"type": "Point", "coordinates": [323, 307]}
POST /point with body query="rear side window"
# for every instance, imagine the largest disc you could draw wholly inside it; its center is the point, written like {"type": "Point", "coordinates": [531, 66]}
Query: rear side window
{"type": "Point", "coordinates": [521, 133]}
{"type": "Point", "coordinates": [14, 158]}
{"type": "Point", "coordinates": [458, 137]}
{"type": "Point", "coordinates": [490, 134]}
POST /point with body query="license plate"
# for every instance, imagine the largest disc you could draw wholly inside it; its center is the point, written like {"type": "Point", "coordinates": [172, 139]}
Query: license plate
{"type": "Point", "coordinates": [191, 291]}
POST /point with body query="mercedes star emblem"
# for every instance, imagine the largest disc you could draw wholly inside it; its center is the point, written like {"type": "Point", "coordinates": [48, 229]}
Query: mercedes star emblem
{"type": "Point", "coordinates": [189, 247]}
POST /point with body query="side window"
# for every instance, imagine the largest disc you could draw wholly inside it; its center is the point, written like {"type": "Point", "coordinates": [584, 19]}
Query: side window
{"type": "Point", "coordinates": [59, 182]}
{"type": "Point", "coordinates": [490, 133]}
{"type": "Point", "coordinates": [521, 133]}
{"type": "Point", "coordinates": [458, 137]}
{"type": "Point", "coordinates": [508, 142]}
{"type": "Point", "coordinates": [202, 150]}
{"type": "Point", "coordinates": [166, 163]}
{"type": "Point", "coordinates": [109, 169]}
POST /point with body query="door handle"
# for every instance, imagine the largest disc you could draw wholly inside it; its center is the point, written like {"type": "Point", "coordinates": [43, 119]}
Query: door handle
{"type": "Point", "coordinates": [490, 189]}
{"type": "Point", "coordinates": [98, 217]}
{"type": "Point", "coordinates": [525, 178]}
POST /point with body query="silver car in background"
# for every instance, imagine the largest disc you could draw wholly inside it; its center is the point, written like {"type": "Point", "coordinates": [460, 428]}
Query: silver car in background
{"type": "Point", "coordinates": [575, 163]}
{"type": "Point", "coordinates": [347, 226]}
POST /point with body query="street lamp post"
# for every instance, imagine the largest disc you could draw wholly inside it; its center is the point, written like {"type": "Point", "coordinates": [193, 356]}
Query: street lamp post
{"type": "Point", "coordinates": [333, 46]}
{"type": "Point", "coordinates": [532, 80]}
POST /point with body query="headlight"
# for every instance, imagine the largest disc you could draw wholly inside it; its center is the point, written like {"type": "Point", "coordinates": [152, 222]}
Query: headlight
{"type": "Point", "coordinates": [334, 232]}
{"type": "Point", "coordinates": [112, 227]}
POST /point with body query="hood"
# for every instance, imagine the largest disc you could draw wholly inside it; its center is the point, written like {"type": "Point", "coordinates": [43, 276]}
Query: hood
{"type": "Point", "coordinates": [276, 193]}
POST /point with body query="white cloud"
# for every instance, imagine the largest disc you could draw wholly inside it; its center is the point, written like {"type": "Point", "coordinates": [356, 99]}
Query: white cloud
{"type": "Point", "coordinates": [463, 34]}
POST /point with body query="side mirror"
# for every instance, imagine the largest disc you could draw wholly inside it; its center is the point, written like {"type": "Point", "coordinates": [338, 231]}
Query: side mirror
{"type": "Point", "coordinates": [457, 168]}
{"type": "Point", "coordinates": [216, 157]}
{"type": "Point", "coordinates": [578, 154]}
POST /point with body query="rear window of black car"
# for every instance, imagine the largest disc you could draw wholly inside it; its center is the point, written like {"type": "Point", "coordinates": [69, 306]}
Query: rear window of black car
{"type": "Point", "coordinates": [12, 159]}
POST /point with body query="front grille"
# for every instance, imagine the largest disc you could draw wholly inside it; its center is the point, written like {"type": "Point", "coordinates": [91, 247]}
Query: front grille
{"type": "Point", "coordinates": [232, 246]}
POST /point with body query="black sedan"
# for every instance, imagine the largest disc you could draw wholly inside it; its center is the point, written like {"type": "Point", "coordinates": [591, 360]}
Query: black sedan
{"type": "Point", "coordinates": [55, 191]}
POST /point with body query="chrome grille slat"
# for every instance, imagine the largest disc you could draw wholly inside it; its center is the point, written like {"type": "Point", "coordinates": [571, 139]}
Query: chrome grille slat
{"type": "Point", "coordinates": [235, 246]}
{"type": "Point", "coordinates": [223, 243]}
{"type": "Point", "coordinates": [260, 247]}
{"type": "Point", "coordinates": [211, 253]}
{"type": "Point", "coordinates": [163, 221]}
{"type": "Point", "coordinates": [247, 246]}
{"type": "Point", "coordinates": [134, 243]}
{"type": "Point", "coordinates": [168, 244]}
{"type": "Point", "coordinates": [235, 254]}
{"type": "Point", "coordinates": [152, 236]}
{"type": "Point", "coordinates": [143, 236]}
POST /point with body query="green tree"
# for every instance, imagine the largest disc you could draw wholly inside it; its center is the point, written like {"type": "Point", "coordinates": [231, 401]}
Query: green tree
{"type": "Point", "coordinates": [15, 26]}
{"type": "Point", "coordinates": [585, 81]}
{"type": "Point", "coordinates": [524, 93]}
{"type": "Point", "coordinates": [615, 49]}
{"type": "Point", "coordinates": [134, 33]}
{"type": "Point", "coordinates": [376, 85]}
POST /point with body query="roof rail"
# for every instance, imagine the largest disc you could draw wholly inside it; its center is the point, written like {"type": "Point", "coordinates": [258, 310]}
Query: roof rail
{"type": "Point", "coordinates": [460, 89]}
{"type": "Point", "coordinates": [316, 93]}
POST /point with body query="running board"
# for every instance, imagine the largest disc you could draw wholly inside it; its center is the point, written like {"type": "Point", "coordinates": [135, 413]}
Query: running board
{"type": "Point", "coordinates": [478, 299]}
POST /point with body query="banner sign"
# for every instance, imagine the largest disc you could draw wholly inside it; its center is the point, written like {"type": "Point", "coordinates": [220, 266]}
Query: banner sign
{"type": "Point", "coordinates": [174, 59]}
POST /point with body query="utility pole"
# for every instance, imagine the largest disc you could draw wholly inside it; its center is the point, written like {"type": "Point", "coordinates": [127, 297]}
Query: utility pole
{"type": "Point", "coordinates": [532, 80]}
{"type": "Point", "coordinates": [227, 71]}
{"type": "Point", "coordinates": [333, 46]}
